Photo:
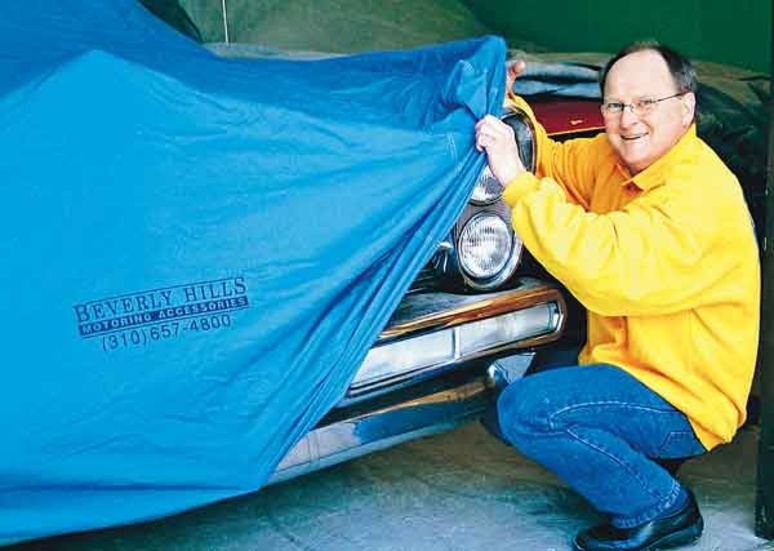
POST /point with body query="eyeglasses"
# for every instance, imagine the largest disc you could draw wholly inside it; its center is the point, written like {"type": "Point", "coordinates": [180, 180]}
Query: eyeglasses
{"type": "Point", "coordinates": [641, 107]}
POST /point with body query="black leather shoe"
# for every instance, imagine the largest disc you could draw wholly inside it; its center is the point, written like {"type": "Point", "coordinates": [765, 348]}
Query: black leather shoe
{"type": "Point", "coordinates": [679, 528]}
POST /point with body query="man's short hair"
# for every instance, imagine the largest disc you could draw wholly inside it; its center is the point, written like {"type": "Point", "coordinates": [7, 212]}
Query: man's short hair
{"type": "Point", "coordinates": [681, 68]}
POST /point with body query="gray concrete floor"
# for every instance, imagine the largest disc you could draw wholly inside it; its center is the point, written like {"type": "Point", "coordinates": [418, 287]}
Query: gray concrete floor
{"type": "Point", "coordinates": [462, 490]}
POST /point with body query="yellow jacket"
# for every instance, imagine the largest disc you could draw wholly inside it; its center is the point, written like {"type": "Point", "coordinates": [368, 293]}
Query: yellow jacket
{"type": "Point", "coordinates": [665, 262]}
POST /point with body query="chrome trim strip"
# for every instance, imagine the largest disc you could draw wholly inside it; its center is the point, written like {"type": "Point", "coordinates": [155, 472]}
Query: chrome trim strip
{"type": "Point", "coordinates": [367, 390]}
{"type": "Point", "coordinates": [530, 292]}
{"type": "Point", "coordinates": [350, 438]}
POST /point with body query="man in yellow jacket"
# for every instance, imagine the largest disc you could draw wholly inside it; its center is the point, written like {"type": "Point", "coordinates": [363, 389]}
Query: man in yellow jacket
{"type": "Point", "coordinates": [648, 228]}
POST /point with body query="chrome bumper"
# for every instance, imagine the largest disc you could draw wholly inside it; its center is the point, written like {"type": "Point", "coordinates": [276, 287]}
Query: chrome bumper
{"type": "Point", "coordinates": [431, 369]}
{"type": "Point", "coordinates": [435, 332]}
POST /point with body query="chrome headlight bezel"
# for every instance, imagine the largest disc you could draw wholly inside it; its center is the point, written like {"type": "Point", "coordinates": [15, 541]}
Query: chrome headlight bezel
{"type": "Point", "coordinates": [445, 270]}
{"type": "Point", "coordinates": [487, 190]}
{"type": "Point", "coordinates": [504, 269]}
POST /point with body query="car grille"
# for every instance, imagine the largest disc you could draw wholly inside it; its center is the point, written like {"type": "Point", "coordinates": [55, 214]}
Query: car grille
{"type": "Point", "coordinates": [426, 280]}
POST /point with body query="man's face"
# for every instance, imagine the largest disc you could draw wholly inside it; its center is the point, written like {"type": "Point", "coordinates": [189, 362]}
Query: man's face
{"type": "Point", "coordinates": [640, 139]}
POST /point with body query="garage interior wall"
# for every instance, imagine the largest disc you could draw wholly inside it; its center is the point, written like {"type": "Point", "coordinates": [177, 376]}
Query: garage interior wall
{"type": "Point", "coordinates": [734, 33]}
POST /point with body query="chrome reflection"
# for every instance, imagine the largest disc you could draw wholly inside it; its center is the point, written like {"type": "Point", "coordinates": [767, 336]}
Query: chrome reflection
{"type": "Point", "coordinates": [399, 359]}
{"type": "Point", "coordinates": [488, 189]}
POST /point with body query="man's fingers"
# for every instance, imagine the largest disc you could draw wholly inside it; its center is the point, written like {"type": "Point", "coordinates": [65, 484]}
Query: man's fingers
{"type": "Point", "coordinates": [490, 130]}
{"type": "Point", "coordinates": [486, 122]}
{"type": "Point", "coordinates": [515, 69]}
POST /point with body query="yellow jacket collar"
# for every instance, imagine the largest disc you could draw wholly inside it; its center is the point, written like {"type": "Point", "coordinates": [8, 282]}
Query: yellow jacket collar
{"type": "Point", "coordinates": [653, 175]}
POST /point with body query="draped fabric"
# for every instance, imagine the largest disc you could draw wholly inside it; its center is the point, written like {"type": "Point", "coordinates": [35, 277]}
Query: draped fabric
{"type": "Point", "coordinates": [198, 252]}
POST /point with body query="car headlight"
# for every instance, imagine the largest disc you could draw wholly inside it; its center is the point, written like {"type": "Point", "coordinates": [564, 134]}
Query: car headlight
{"type": "Point", "coordinates": [488, 189]}
{"type": "Point", "coordinates": [485, 246]}
{"type": "Point", "coordinates": [482, 253]}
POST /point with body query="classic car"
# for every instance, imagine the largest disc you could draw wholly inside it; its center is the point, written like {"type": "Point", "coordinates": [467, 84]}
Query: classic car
{"type": "Point", "coordinates": [158, 200]}
{"type": "Point", "coordinates": [472, 322]}
{"type": "Point", "coordinates": [482, 310]}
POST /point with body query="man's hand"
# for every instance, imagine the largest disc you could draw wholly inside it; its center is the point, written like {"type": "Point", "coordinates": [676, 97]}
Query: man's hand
{"type": "Point", "coordinates": [513, 70]}
{"type": "Point", "coordinates": [497, 139]}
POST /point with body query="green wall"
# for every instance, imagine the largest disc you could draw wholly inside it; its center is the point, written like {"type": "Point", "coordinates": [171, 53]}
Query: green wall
{"type": "Point", "coordinates": [733, 32]}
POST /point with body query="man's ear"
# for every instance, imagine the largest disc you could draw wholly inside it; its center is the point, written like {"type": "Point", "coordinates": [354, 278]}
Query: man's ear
{"type": "Point", "coordinates": [689, 108]}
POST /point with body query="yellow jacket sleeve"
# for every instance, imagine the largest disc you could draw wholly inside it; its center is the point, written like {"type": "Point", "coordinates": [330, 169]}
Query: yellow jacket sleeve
{"type": "Point", "coordinates": [640, 260]}
{"type": "Point", "coordinates": [556, 160]}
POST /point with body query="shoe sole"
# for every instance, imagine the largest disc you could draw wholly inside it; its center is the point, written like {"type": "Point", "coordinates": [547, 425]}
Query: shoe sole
{"type": "Point", "coordinates": [687, 536]}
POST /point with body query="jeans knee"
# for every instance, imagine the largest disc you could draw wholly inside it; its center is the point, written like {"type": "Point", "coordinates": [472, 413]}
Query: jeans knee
{"type": "Point", "coordinates": [520, 413]}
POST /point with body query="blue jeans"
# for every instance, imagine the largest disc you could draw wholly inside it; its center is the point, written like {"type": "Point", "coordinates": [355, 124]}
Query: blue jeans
{"type": "Point", "coordinates": [598, 428]}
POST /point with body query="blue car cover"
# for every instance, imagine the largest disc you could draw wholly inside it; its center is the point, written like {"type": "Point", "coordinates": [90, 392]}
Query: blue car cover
{"type": "Point", "coordinates": [198, 251]}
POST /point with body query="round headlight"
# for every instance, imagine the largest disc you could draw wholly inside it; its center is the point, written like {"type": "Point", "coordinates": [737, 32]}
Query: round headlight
{"type": "Point", "coordinates": [488, 189]}
{"type": "Point", "coordinates": [485, 246]}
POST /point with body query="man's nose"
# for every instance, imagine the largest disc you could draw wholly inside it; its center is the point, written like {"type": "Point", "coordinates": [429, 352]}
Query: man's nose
{"type": "Point", "coordinates": [627, 115]}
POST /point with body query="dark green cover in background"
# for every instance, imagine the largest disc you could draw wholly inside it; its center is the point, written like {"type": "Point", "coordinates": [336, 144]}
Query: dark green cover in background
{"type": "Point", "coordinates": [733, 33]}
